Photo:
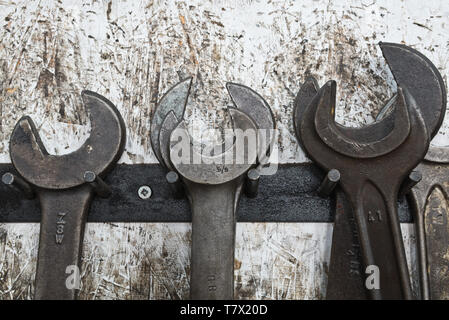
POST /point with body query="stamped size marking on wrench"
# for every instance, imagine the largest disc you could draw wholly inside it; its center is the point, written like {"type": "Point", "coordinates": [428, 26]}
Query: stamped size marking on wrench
{"type": "Point", "coordinates": [213, 188]}
{"type": "Point", "coordinates": [59, 236]}
{"type": "Point", "coordinates": [65, 186]}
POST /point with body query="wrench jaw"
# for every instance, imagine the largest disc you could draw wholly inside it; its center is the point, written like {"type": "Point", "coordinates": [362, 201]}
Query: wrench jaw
{"type": "Point", "coordinates": [310, 89]}
{"type": "Point", "coordinates": [250, 102]}
{"type": "Point", "coordinates": [222, 168]}
{"type": "Point", "coordinates": [414, 71]}
{"type": "Point", "coordinates": [173, 101]}
{"type": "Point", "coordinates": [170, 123]}
{"type": "Point", "coordinates": [304, 97]}
{"type": "Point", "coordinates": [357, 142]}
{"type": "Point", "coordinates": [438, 155]}
{"type": "Point", "coordinates": [317, 117]}
{"type": "Point", "coordinates": [255, 106]}
{"type": "Point", "coordinates": [98, 154]}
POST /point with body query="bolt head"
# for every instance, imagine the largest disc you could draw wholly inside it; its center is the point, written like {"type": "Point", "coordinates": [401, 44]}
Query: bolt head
{"type": "Point", "coordinates": [8, 178]}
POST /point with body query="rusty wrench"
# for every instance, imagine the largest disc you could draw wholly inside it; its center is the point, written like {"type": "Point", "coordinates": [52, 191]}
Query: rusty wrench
{"type": "Point", "coordinates": [213, 186]}
{"type": "Point", "coordinates": [428, 198]}
{"type": "Point", "coordinates": [412, 70]}
{"type": "Point", "coordinates": [65, 186]}
{"type": "Point", "coordinates": [373, 161]}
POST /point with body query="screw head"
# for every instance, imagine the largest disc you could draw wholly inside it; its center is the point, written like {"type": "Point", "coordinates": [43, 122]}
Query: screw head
{"type": "Point", "coordinates": [144, 192]}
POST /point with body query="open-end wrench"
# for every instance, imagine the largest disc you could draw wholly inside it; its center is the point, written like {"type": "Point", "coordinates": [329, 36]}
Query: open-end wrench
{"type": "Point", "coordinates": [411, 70]}
{"type": "Point", "coordinates": [213, 186]}
{"type": "Point", "coordinates": [65, 185]}
{"type": "Point", "coordinates": [428, 199]}
{"type": "Point", "coordinates": [373, 162]}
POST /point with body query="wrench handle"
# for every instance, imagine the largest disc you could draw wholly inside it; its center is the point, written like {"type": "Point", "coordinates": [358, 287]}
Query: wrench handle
{"type": "Point", "coordinates": [64, 215]}
{"type": "Point", "coordinates": [213, 239]}
{"type": "Point", "coordinates": [431, 211]}
{"type": "Point", "coordinates": [346, 276]}
{"type": "Point", "coordinates": [382, 244]}
{"type": "Point", "coordinates": [418, 204]}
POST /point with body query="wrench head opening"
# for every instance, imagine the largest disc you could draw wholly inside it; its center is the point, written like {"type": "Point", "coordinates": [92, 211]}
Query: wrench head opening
{"type": "Point", "coordinates": [98, 154]}
{"type": "Point", "coordinates": [414, 71]}
{"type": "Point", "coordinates": [254, 105]}
{"type": "Point", "coordinates": [359, 142]}
{"type": "Point", "coordinates": [411, 70]}
{"type": "Point", "coordinates": [406, 156]}
{"type": "Point", "coordinates": [218, 169]}
{"type": "Point", "coordinates": [170, 111]}
{"type": "Point", "coordinates": [310, 89]}
{"type": "Point", "coordinates": [175, 101]}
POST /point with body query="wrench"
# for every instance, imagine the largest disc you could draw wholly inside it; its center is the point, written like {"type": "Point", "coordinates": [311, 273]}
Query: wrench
{"type": "Point", "coordinates": [428, 199]}
{"type": "Point", "coordinates": [65, 186]}
{"type": "Point", "coordinates": [412, 70]}
{"type": "Point", "coordinates": [213, 186]}
{"type": "Point", "coordinates": [372, 163]}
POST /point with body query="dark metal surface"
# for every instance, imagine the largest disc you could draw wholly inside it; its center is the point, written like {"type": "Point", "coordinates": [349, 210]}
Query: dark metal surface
{"type": "Point", "coordinates": [429, 201]}
{"type": "Point", "coordinates": [429, 197]}
{"type": "Point", "coordinates": [293, 188]}
{"type": "Point", "coordinates": [175, 101]}
{"type": "Point", "coordinates": [346, 273]}
{"type": "Point", "coordinates": [414, 71]}
{"type": "Point", "coordinates": [65, 186]}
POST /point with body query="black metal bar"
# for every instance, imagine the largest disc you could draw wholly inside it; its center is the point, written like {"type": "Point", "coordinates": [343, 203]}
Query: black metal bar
{"type": "Point", "coordinates": [288, 196]}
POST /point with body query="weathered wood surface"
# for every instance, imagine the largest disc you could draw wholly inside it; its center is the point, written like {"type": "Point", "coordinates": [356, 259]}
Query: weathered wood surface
{"type": "Point", "coordinates": [132, 52]}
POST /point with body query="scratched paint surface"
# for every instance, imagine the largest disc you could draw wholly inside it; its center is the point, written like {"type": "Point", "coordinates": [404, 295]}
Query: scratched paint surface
{"type": "Point", "coordinates": [133, 51]}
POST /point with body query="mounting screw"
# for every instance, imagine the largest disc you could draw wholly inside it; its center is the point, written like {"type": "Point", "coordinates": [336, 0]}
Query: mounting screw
{"type": "Point", "coordinates": [144, 192]}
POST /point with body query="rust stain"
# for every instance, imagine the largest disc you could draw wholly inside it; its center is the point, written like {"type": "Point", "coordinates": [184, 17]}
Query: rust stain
{"type": "Point", "coordinates": [193, 55]}
{"type": "Point", "coordinates": [237, 264]}
{"type": "Point", "coordinates": [182, 19]}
